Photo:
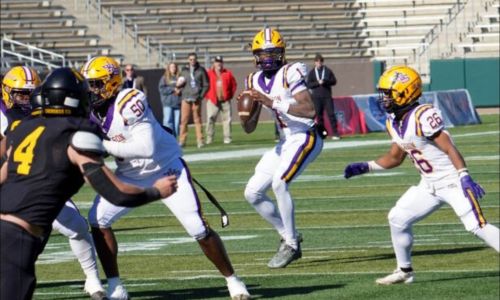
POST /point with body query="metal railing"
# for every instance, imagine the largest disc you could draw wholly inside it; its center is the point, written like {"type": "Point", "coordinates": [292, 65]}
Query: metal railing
{"type": "Point", "coordinates": [450, 30]}
{"type": "Point", "coordinates": [21, 53]}
{"type": "Point", "coordinates": [127, 27]}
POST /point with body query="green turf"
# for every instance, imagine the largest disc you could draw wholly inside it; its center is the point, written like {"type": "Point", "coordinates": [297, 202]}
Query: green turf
{"type": "Point", "coordinates": [344, 224]}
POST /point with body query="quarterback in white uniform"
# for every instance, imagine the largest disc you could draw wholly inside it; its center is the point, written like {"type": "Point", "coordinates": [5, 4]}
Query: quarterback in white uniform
{"type": "Point", "coordinates": [418, 131]}
{"type": "Point", "coordinates": [144, 152]}
{"type": "Point", "coordinates": [281, 88]}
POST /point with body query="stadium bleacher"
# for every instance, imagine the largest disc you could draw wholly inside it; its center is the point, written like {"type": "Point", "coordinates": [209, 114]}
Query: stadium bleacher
{"type": "Point", "coordinates": [367, 29]}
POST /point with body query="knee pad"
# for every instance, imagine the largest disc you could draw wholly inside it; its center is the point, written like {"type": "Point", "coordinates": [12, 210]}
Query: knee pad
{"type": "Point", "coordinates": [399, 218]}
{"type": "Point", "coordinates": [252, 195]}
{"type": "Point", "coordinates": [279, 185]}
{"type": "Point", "coordinates": [75, 228]}
{"type": "Point", "coordinates": [470, 222]}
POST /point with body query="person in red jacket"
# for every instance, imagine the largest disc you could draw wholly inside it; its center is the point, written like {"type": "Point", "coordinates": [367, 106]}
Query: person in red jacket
{"type": "Point", "coordinates": [220, 92]}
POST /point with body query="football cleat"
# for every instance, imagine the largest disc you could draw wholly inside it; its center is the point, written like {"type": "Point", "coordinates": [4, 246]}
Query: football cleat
{"type": "Point", "coordinates": [118, 293]}
{"type": "Point", "coordinates": [99, 296]}
{"type": "Point", "coordinates": [398, 276]}
{"type": "Point", "coordinates": [285, 255]}
{"type": "Point", "coordinates": [283, 243]}
{"type": "Point", "coordinates": [238, 290]}
{"type": "Point", "coordinates": [94, 288]}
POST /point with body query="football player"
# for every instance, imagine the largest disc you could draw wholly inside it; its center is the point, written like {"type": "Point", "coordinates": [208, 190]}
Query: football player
{"type": "Point", "coordinates": [417, 131]}
{"type": "Point", "coordinates": [144, 151]}
{"type": "Point", "coordinates": [17, 86]}
{"type": "Point", "coordinates": [48, 157]}
{"type": "Point", "coordinates": [280, 87]}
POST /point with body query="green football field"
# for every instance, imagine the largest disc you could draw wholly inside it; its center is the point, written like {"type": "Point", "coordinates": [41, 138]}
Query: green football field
{"type": "Point", "coordinates": [343, 222]}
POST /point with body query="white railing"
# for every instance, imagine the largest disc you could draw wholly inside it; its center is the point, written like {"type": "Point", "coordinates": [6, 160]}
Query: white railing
{"type": "Point", "coordinates": [28, 54]}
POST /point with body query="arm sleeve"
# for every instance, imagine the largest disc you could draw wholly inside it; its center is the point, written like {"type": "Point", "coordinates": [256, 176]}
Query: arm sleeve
{"type": "Point", "coordinates": [234, 85]}
{"type": "Point", "coordinates": [141, 145]}
{"type": "Point", "coordinates": [164, 88]}
{"type": "Point", "coordinates": [205, 84]}
{"type": "Point", "coordinates": [295, 77]}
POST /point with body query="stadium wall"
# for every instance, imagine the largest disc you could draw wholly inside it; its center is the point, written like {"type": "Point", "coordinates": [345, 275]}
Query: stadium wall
{"type": "Point", "coordinates": [480, 76]}
{"type": "Point", "coordinates": [354, 76]}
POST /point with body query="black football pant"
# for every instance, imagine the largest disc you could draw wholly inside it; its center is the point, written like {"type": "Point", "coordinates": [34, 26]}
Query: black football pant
{"type": "Point", "coordinates": [18, 253]}
{"type": "Point", "coordinates": [322, 104]}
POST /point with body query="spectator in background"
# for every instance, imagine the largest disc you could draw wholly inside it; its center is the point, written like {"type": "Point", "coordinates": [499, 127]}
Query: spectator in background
{"type": "Point", "coordinates": [170, 93]}
{"type": "Point", "coordinates": [320, 81]}
{"type": "Point", "coordinates": [220, 92]}
{"type": "Point", "coordinates": [195, 89]}
{"type": "Point", "coordinates": [132, 81]}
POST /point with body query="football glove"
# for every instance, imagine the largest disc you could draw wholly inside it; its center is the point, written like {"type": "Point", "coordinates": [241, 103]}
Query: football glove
{"type": "Point", "coordinates": [468, 185]}
{"type": "Point", "coordinates": [356, 168]}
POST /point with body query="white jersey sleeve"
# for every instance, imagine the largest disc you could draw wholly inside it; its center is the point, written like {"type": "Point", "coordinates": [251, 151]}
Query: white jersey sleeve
{"type": "Point", "coordinates": [132, 106]}
{"type": "Point", "coordinates": [141, 145]}
{"type": "Point", "coordinates": [429, 121]}
{"type": "Point", "coordinates": [4, 123]}
{"type": "Point", "coordinates": [133, 111]}
{"type": "Point", "coordinates": [295, 77]}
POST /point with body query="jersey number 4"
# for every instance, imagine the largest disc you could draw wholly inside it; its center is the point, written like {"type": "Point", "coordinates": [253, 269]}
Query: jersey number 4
{"type": "Point", "coordinates": [24, 152]}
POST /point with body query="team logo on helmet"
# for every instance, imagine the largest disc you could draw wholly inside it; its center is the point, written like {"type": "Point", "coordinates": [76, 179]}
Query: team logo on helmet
{"type": "Point", "coordinates": [400, 77]}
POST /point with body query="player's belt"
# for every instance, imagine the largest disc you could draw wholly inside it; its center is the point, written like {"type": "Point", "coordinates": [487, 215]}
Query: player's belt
{"type": "Point", "coordinates": [34, 230]}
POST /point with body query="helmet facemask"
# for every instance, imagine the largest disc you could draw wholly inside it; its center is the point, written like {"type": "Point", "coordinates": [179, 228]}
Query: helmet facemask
{"type": "Point", "coordinates": [270, 59]}
{"type": "Point", "coordinates": [21, 99]}
{"type": "Point", "coordinates": [98, 95]}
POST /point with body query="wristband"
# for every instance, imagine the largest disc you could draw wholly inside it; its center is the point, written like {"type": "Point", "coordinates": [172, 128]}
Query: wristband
{"type": "Point", "coordinates": [463, 172]}
{"type": "Point", "coordinates": [281, 106]}
{"type": "Point", "coordinates": [373, 166]}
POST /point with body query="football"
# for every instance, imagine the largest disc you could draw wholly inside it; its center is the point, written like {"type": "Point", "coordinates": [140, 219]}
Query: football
{"type": "Point", "coordinates": [246, 107]}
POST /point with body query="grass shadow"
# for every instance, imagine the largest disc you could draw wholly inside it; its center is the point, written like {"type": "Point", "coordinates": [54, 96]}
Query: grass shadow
{"type": "Point", "coordinates": [209, 293]}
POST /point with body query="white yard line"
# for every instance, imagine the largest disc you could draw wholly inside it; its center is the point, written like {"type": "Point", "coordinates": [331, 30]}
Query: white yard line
{"type": "Point", "coordinates": [224, 155]}
{"type": "Point", "coordinates": [146, 281]}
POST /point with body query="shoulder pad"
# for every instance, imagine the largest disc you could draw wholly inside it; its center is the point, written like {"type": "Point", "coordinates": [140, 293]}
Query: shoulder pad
{"type": "Point", "coordinates": [84, 141]}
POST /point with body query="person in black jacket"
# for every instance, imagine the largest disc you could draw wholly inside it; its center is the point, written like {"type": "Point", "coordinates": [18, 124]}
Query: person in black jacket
{"type": "Point", "coordinates": [320, 81]}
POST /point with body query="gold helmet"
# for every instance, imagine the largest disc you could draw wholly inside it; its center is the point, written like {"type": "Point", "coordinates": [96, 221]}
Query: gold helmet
{"type": "Point", "coordinates": [17, 85]}
{"type": "Point", "coordinates": [104, 79]}
{"type": "Point", "coordinates": [268, 48]}
{"type": "Point", "coordinates": [399, 87]}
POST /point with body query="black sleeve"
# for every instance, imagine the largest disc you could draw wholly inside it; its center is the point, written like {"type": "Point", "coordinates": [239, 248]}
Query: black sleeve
{"type": "Point", "coordinates": [330, 80]}
{"type": "Point", "coordinates": [105, 187]}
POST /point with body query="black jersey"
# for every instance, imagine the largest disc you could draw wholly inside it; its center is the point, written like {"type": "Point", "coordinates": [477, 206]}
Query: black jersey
{"type": "Point", "coordinates": [12, 116]}
{"type": "Point", "coordinates": [41, 177]}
